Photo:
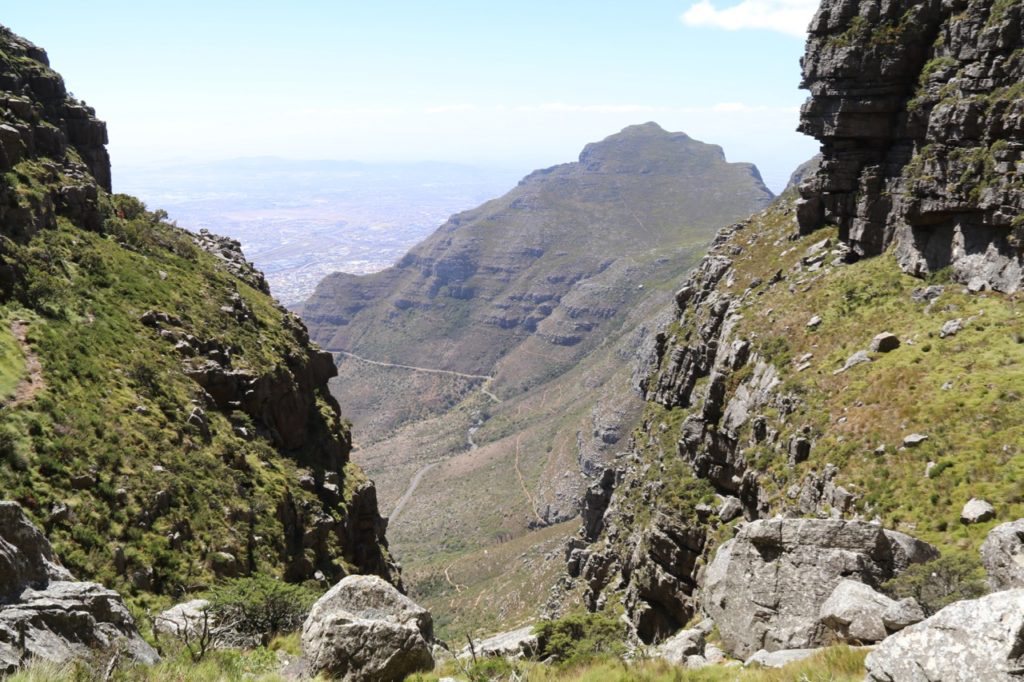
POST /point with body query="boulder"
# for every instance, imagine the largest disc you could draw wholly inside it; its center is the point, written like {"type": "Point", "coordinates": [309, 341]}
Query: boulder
{"type": "Point", "coordinates": [680, 647]}
{"type": "Point", "coordinates": [186, 618]}
{"type": "Point", "coordinates": [914, 439]}
{"type": "Point", "coordinates": [951, 328]}
{"type": "Point", "coordinates": [857, 614]}
{"type": "Point", "coordinates": [765, 588]}
{"type": "Point", "coordinates": [521, 643]}
{"type": "Point", "coordinates": [731, 508]}
{"type": "Point", "coordinates": [977, 511]}
{"type": "Point", "coordinates": [365, 630]}
{"type": "Point", "coordinates": [858, 358]}
{"type": "Point", "coordinates": [885, 342]}
{"type": "Point", "coordinates": [1002, 554]}
{"type": "Point", "coordinates": [968, 641]}
{"type": "Point", "coordinates": [45, 614]}
{"type": "Point", "coordinates": [778, 659]}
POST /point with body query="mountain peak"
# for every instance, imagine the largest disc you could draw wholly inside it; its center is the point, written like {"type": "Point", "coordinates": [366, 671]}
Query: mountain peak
{"type": "Point", "coordinates": [646, 148]}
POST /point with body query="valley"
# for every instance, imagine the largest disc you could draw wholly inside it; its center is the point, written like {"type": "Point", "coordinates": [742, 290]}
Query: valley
{"type": "Point", "coordinates": [535, 335]}
{"type": "Point", "coordinates": [636, 419]}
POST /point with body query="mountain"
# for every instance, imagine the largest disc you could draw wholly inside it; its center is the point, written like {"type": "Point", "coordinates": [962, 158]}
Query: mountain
{"type": "Point", "coordinates": [544, 269]}
{"type": "Point", "coordinates": [853, 352]}
{"type": "Point", "coordinates": [520, 315]}
{"type": "Point", "coordinates": [163, 419]}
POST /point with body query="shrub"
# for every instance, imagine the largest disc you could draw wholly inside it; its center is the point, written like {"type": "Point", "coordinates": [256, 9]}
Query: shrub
{"type": "Point", "coordinates": [940, 582]}
{"type": "Point", "coordinates": [579, 638]}
{"type": "Point", "coordinates": [260, 605]}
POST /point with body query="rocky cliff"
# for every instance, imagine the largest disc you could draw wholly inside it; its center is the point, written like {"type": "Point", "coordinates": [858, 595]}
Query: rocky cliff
{"type": "Point", "coordinates": [163, 419]}
{"type": "Point", "coordinates": [920, 112]}
{"type": "Point", "coordinates": [826, 359]}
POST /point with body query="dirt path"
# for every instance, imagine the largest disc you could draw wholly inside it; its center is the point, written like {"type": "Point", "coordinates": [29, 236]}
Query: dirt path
{"type": "Point", "coordinates": [33, 383]}
{"type": "Point", "coordinates": [526, 491]}
{"type": "Point", "coordinates": [413, 367]}
{"type": "Point", "coordinates": [407, 495]}
{"type": "Point", "coordinates": [448, 577]}
{"type": "Point", "coordinates": [429, 370]}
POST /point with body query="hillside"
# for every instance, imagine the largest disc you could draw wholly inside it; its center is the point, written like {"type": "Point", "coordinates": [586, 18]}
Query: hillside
{"type": "Point", "coordinates": [856, 350]}
{"type": "Point", "coordinates": [529, 306]}
{"type": "Point", "coordinates": [163, 419]}
{"type": "Point", "coordinates": [546, 269]}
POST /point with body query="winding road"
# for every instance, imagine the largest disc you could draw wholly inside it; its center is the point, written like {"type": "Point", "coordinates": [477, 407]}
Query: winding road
{"type": "Point", "coordinates": [418, 476]}
{"type": "Point", "coordinates": [407, 495]}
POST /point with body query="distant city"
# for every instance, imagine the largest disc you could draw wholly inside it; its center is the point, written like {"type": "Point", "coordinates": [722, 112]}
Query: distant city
{"type": "Point", "coordinates": [301, 220]}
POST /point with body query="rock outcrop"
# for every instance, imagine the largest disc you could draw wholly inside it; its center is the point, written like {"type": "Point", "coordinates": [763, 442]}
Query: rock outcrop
{"type": "Point", "coordinates": [1002, 554]}
{"type": "Point", "coordinates": [45, 614]}
{"type": "Point", "coordinates": [970, 640]}
{"type": "Point", "coordinates": [364, 630]}
{"type": "Point", "coordinates": [39, 119]}
{"type": "Point", "coordinates": [766, 587]}
{"type": "Point", "coordinates": [919, 111]}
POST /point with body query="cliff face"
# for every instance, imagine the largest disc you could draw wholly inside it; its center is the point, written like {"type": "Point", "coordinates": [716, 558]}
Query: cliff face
{"type": "Point", "coordinates": [920, 112]}
{"type": "Point", "coordinates": [802, 376]}
{"type": "Point", "coordinates": [163, 418]}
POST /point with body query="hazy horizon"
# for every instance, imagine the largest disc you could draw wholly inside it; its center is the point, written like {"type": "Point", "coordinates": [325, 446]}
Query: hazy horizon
{"type": "Point", "coordinates": [523, 86]}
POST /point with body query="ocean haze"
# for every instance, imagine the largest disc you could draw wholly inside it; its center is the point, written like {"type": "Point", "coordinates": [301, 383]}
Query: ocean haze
{"type": "Point", "coordinates": [302, 220]}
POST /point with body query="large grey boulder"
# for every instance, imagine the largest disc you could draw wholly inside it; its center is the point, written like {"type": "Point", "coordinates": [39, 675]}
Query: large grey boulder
{"type": "Point", "coordinates": [968, 641]}
{"type": "Point", "coordinates": [45, 614]}
{"type": "Point", "coordinates": [520, 643]}
{"type": "Point", "coordinates": [857, 614]}
{"type": "Point", "coordinates": [365, 630]}
{"type": "Point", "coordinates": [765, 588]}
{"type": "Point", "coordinates": [678, 648]}
{"type": "Point", "coordinates": [1002, 554]}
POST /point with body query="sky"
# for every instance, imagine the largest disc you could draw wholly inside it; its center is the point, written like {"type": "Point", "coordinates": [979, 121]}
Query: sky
{"type": "Point", "coordinates": [521, 85]}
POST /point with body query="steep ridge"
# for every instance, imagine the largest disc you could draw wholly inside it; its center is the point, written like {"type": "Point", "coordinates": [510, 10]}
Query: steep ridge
{"type": "Point", "coordinates": [179, 426]}
{"type": "Point", "coordinates": [545, 291]}
{"type": "Point", "coordinates": [546, 269]}
{"type": "Point", "coordinates": [800, 375]}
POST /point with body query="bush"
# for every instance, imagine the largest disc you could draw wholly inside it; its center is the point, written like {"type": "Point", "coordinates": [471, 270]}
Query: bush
{"type": "Point", "coordinates": [579, 638]}
{"type": "Point", "coordinates": [940, 582]}
{"type": "Point", "coordinates": [261, 606]}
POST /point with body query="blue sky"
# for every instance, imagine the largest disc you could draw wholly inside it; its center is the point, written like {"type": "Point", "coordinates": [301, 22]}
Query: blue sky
{"type": "Point", "coordinates": [522, 84]}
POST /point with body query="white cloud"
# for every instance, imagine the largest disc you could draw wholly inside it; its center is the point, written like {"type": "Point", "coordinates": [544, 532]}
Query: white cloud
{"type": "Point", "coordinates": [785, 16]}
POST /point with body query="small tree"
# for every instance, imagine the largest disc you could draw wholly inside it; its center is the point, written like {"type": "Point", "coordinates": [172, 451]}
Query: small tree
{"type": "Point", "coordinates": [261, 606]}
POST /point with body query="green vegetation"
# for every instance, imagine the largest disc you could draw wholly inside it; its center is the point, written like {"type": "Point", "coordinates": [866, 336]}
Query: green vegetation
{"type": "Point", "coordinates": [834, 664]}
{"type": "Point", "coordinates": [261, 606]}
{"type": "Point", "coordinates": [257, 665]}
{"type": "Point", "coordinates": [106, 431]}
{"type": "Point", "coordinates": [951, 577]}
{"type": "Point", "coordinates": [974, 424]}
{"type": "Point", "coordinates": [12, 362]}
{"type": "Point", "coordinates": [579, 638]}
